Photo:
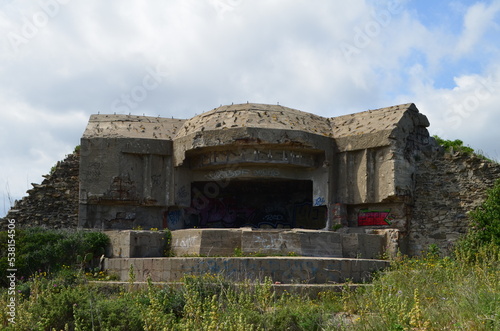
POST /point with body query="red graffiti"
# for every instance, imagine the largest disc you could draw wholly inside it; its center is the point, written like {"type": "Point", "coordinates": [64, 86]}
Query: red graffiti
{"type": "Point", "coordinates": [374, 217]}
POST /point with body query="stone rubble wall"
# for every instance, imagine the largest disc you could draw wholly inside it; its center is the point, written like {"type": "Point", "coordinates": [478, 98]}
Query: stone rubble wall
{"type": "Point", "coordinates": [447, 187]}
{"type": "Point", "coordinates": [54, 202]}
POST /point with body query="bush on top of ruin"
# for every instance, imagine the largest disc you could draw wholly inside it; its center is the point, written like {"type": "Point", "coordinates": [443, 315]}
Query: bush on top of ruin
{"type": "Point", "coordinates": [457, 146]}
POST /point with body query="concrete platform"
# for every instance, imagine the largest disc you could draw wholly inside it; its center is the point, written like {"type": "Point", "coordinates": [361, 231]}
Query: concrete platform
{"type": "Point", "coordinates": [286, 270]}
{"type": "Point", "coordinates": [347, 243]}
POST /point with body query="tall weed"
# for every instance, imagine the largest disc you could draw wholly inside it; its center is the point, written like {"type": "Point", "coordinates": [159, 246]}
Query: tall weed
{"type": "Point", "coordinates": [431, 293]}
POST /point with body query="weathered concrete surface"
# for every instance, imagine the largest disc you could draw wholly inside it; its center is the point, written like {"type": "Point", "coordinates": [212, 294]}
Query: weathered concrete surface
{"type": "Point", "coordinates": [279, 269]}
{"type": "Point", "coordinates": [125, 171]}
{"type": "Point", "coordinates": [205, 242]}
{"type": "Point", "coordinates": [380, 160]}
{"type": "Point", "coordinates": [225, 242]}
{"type": "Point", "coordinates": [376, 128]}
{"type": "Point", "coordinates": [239, 138]}
{"type": "Point", "coordinates": [136, 243]}
{"type": "Point", "coordinates": [296, 241]}
{"type": "Point", "coordinates": [124, 182]}
{"type": "Point", "coordinates": [256, 116]}
{"type": "Point", "coordinates": [362, 245]}
{"type": "Point", "coordinates": [358, 243]}
{"type": "Point", "coordinates": [132, 126]}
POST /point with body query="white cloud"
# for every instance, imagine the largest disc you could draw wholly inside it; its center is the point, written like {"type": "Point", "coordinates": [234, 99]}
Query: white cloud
{"type": "Point", "coordinates": [477, 20]}
{"type": "Point", "coordinates": [32, 140]}
{"type": "Point", "coordinates": [220, 51]}
{"type": "Point", "coordinates": [468, 111]}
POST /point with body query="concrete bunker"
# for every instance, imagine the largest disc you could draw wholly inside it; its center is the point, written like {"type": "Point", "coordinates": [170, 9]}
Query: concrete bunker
{"type": "Point", "coordinates": [254, 165]}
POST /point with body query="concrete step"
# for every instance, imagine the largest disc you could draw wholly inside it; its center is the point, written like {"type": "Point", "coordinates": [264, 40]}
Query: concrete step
{"type": "Point", "coordinates": [285, 270]}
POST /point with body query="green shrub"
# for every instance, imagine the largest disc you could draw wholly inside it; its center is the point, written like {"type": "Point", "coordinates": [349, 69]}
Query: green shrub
{"type": "Point", "coordinates": [50, 304]}
{"type": "Point", "coordinates": [454, 145]}
{"type": "Point", "coordinates": [457, 145]}
{"type": "Point", "coordinates": [484, 230]}
{"type": "Point", "coordinates": [168, 243]}
{"type": "Point", "coordinates": [101, 313]}
{"type": "Point", "coordinates": [486, 218]}
{"type": "Point", "coordinates": [48, 250]}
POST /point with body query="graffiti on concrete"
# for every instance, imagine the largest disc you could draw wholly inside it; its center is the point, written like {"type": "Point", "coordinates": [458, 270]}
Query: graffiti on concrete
{"type": "Point", "coordinates": [234, 173]}
{"type": "Point", "coordinates": [319, 201]}
{"type": "Point", "coordinates": [258, 204]}
{"type": "Point", "coordinates": [186, 242]}
{"type": "Point", "coordinates": [270, 241]}
{"type": "Point", "coordinates": [122, 188]}
{"type": "Point", "coordinates": [273, 217]}
{"type": "Point", "coordinates": [174, 219]}
{"type": "Point", "coordinates": [266, 172]}
{"type": "Point", "coordinates": [230, 173]}
{"type": "Point", "coordinates": [226, 212]}
{"type": "Point", "coordinates": [182, 195]}
{"type": "Point", "coordinates": [339, 214]}
{"type": "Point", "coordinates": [307, 216]}
{"type": "Point", "coordinates": [367, 217]}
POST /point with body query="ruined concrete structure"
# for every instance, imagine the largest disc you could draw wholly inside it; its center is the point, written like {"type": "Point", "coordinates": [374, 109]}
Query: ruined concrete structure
{"type": "Point", "coordinates": [321, 198]}
{"type": "Point", "coordinates": [253, 165]}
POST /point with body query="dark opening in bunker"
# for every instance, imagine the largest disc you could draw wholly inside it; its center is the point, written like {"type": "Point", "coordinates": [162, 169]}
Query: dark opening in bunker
{"type": "Point", "coordinates": [269, 203]}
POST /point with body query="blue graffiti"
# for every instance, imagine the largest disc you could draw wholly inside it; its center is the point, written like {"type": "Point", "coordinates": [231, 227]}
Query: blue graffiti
{"type": "Point", "coordinates": [319, 201]}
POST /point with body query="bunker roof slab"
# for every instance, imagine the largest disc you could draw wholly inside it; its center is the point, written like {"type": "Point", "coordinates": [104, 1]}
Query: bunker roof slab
{"type": "Point", "coordinates": [365, 129]}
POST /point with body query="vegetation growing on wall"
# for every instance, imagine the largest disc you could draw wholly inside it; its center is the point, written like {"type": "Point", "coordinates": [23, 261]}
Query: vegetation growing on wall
{"type": "Point", "coordinates": [457, 145]}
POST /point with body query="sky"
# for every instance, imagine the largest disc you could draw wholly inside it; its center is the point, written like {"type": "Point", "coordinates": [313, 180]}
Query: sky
{"type": "Point", "coordinates": [63, 60]}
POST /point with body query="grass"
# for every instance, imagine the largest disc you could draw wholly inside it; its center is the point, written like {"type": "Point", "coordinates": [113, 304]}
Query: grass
{"type": "Point", "coordinates": [432, 293]}
{"type": "Point", "coordinates": [426, 293]}
{"type": "Point", "coordinates": [206, 302]}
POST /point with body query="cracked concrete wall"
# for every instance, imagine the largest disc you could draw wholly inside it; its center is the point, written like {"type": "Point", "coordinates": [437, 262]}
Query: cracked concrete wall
{"type": "Point", "coordinates": [124, 182]}
{"type": "Point", "coordinates": [365, 176]}
{"type": "Point", "coordinates": [377, 167]}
